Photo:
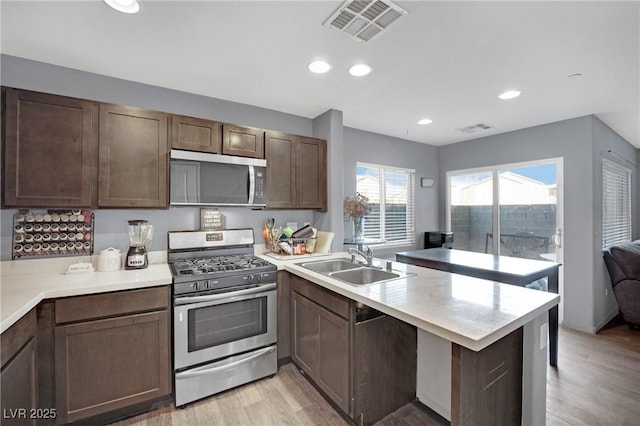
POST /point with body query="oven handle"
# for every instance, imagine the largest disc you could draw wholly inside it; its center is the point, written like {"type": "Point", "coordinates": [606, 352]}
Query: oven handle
{"type": "Point", "coordinates": [196, 373]}
{"type": "Point", "coordinates": [221, 296]}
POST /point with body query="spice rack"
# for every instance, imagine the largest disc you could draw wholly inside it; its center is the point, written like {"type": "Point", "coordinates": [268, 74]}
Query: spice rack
{"type": "Point", "coordinates": [52, 233]}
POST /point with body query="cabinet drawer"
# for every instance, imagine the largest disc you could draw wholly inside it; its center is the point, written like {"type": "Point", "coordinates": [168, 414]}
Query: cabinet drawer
{"type": "Point", "coordinates": [18, 335]}
{"type": "Point", "coordinates": [81, 308]}
{"type": "Point", "coordinates": [323, 297]}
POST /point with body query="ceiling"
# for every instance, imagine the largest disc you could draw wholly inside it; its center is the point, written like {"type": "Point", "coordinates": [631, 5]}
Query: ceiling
{"type": "Point", "coordinates": [446, 61]}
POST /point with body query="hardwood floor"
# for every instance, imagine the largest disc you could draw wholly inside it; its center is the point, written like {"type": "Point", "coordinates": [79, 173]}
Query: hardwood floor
{"type": "Point", "coordinates": [597, 383]}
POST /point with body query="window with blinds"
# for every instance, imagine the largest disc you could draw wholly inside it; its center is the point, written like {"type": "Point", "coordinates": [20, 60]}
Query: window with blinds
{"type": "Point", "coordinates": [616, 203]}
{"type": "Point", "coordinates": [391, 195]}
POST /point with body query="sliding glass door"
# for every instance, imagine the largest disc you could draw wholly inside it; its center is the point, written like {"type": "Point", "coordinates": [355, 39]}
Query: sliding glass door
{"type": "Point", "coordinates": [511, 210]}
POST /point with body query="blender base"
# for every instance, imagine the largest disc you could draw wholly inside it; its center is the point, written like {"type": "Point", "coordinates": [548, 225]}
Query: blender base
{"type": "Point", "coordinates": [136, 258]}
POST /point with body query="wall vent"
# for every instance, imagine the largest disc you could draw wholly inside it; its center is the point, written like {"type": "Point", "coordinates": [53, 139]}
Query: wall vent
{"type": "Point", "coordinates": [364, 19]}
{"type": "Point", "coordinates": [475, 128]}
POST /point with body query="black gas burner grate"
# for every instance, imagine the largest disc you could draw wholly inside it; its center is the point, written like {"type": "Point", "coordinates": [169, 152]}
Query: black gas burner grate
{"type": "Point", "coordinates": [214, 264]}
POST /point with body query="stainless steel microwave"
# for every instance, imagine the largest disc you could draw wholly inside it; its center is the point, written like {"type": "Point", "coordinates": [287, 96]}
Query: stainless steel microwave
{"type": "Point", "coordinates": [202, 179]}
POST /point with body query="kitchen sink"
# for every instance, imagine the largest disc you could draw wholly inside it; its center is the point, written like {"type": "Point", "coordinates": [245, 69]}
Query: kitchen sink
{"type": "Point", "coordinates": [353, 273]}
{"type": "Point", "coordinates": [328, 266]}
{"type": "Point", "coordinates": [365, 275]}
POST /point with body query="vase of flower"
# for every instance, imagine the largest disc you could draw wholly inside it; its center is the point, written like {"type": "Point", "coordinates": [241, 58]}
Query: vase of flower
{"type": "Point", "coordinates": [356, 209]}
{"type": "Point", "coordinates": [358, 228]}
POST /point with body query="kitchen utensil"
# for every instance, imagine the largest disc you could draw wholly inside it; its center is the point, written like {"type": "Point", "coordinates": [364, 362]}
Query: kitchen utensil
{"type": "Point", "coordinates": [304, 232]}
{"type": "Point", "coordinates": [140, 232]}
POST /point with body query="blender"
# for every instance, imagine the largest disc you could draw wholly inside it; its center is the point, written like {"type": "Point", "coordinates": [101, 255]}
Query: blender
{"type": "Point", "coordinates": [139, 233]}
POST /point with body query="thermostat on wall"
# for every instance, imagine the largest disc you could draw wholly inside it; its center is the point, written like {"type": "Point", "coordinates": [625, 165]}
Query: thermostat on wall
{"type": "Point", "coordinates": [426, 182]}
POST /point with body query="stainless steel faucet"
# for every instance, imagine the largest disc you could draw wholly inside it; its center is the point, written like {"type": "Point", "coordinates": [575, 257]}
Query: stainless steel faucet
{"type": "Point", "coordinates": [368, 256]}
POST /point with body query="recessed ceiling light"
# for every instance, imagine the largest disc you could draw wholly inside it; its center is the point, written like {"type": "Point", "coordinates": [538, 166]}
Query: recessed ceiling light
{"type": "Point", "coordinates": [319, 67]}
{"type": "Point", "coordinates": [510, 94]}
{"type": "Point", "coordinates": [425, 121]}
{"type": "Point", "coordinates": [124, 6]}
{"type": "Point", "coordinates": [359, 70]}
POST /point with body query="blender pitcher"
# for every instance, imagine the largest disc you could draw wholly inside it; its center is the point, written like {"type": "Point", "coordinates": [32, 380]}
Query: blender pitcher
{"type": "Point", "coordinates": [139, 233]}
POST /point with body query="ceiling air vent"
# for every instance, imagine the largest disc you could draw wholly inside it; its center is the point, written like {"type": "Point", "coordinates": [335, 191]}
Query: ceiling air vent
{"type": "Point", "coordinates": [475, 128]}
{"type": "Point", "coordinates": [364, 19]}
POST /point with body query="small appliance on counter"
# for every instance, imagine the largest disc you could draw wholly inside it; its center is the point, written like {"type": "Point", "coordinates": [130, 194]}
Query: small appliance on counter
{"type": "Point", "coordinates": [140, 232]}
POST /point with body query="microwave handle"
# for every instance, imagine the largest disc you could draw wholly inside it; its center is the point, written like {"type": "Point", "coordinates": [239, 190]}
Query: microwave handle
{"type": "Point", "coordinates": [252, 184]}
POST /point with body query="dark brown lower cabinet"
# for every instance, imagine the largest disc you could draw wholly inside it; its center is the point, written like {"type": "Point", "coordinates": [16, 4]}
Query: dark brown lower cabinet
{"type": "Point", "coordinates": [19, 374]}
{"type": "Point", "coordinates": [284, 314]}
{"type": "Point", "coordinates": [365, 367]}
{"type": "Point", "coordinates": [108, 368]}
{"type": "Point", "coordinates": [486, 386]}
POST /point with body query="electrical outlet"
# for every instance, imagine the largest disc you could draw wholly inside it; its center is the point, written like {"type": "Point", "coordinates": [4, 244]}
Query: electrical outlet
{"type": "Point", "coordinates": [544, 332]}
{"type": "Point", "coordinates": [606, 291]}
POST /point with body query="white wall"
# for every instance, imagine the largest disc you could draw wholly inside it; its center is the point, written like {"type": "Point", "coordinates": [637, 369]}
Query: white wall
{"type": "Point", "coordinates": [608, 144]}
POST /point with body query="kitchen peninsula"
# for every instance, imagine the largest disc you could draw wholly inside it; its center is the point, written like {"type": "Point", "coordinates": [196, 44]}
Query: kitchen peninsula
{"type": "Point", "coordinates": [497, 335]}
{"type": "Point", "coordinates": [476, 316]}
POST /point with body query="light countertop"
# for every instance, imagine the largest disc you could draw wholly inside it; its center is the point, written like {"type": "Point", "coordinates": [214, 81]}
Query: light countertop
{"type": "Point", "coordinates": [25, 283]}
{"type": "Point", "coordinates": [471, 312]}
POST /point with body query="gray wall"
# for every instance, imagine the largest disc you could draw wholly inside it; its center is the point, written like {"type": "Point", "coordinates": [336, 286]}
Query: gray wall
{"type": "Point", "coordinates": [573, 140]}
{"type": "Point", "coordinates": [608, 144]}
{"type": "Point", "coordinates": [111, 225]}
{"type": "Point", "coordinates": [388, 151]}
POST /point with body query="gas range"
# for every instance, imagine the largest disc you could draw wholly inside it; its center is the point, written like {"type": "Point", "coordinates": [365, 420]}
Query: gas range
{"type": "Point", "coordinates": [224, 312]}
{"type": "Point", "coordinates": [204, 261]}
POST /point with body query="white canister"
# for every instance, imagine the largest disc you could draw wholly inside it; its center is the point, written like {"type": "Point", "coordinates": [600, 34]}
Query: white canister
{"type": "Point", "coordinates": [109, 260]}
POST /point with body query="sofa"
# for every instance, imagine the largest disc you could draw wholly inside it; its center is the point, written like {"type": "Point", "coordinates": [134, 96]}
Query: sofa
{"type": "Point", "coordinates": [623, 264]}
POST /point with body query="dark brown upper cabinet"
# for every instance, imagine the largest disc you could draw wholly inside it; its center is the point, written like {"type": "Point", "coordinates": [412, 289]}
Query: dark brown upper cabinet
{"type": "Point", "coordinates": [242, 141]}
{"type": "Point", "coordinates": [296, 171]}
{"type": "Point", "coordinates": [196, 134]}
{"type": "Point", "coordinates": [49, 144]}
{"type": "Point", "coordinates": [281, 169]}
{"type": "Point", "coordinates": [133, 158]}
{"type": "Point", "coordinates": [311, 174]}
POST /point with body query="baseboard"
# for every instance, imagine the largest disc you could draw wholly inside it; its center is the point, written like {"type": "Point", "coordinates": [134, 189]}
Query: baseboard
{"type": "Point", "coordinates": [611, 315]}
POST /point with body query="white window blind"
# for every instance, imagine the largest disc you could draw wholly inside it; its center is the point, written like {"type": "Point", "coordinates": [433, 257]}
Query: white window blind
{"type": "Point", "coordinates": [616, 203]}
{"type": "Point", "coordinates": [391, 195]}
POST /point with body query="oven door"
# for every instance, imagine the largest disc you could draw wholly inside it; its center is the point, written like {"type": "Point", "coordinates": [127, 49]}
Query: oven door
{"type": "Point", "coordinates": [215, 326]}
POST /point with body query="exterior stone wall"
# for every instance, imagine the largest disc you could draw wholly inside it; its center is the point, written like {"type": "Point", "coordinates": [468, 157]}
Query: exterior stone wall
{"type": "Point", "coordinates": [472, 227]}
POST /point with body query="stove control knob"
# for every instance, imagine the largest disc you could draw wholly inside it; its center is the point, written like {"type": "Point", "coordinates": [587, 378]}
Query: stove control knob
{"type": "Point", "coordinates": [251, 279]}
{"type": "Point", "coordinates": [259, 278]}
{"type": "Point", "coordinates": [196, 285]}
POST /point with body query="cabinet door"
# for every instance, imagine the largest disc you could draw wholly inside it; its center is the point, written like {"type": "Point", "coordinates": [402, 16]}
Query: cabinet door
{"type": "Point", "coordinates": [133, 158]}
{"type": "Point", "coordinates": [195, 134]}
{"type": "Point", "coordinates": [111, 364]}
{"type": "Point", "coordinates": [19, 387]}
{"type": "Point", "coordinates": [311, 174]}
{"type": "Point", "coordinates": [281, 156]}
{"type": "Point", "coordinates": [49, 145]}
{"type": "Point", "coordinates": [242, 141]}
{"type": "Point", "coordinates": [333, 363]}
{"type": "Point", "coordinates": [305, 333]}
{"type": "Point", "coordinates": [19, 376]}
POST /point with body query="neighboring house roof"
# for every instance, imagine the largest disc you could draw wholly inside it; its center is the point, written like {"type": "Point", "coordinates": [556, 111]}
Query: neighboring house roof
{"type": "Point", "coordinates": [514, 189]}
